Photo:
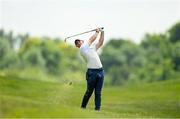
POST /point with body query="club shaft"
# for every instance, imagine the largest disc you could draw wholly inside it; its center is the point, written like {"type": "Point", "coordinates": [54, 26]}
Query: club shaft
{"type": "Point", "coordinates": [82, 33]}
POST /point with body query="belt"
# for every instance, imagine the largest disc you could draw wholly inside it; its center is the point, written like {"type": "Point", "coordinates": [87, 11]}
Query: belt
{"type": "Point", "coordinates": [99, 69]}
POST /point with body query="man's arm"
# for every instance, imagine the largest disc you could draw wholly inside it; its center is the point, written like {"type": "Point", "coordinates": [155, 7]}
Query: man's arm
{"type": "Point", "coordinates": [101, 40]}
{"type": "Point", "coordinates": [93, 37]}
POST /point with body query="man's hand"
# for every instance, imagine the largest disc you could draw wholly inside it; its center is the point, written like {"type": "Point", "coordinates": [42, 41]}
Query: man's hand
{"type": "Point", "coordinates": [98, 30]}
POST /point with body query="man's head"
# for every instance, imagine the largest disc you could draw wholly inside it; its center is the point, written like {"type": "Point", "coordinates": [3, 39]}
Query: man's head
{"type": "Point", "coordinates": [78, 42]}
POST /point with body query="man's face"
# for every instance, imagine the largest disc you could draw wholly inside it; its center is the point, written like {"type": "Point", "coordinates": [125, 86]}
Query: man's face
{"type": "Point", "coordinates": [79, 43]}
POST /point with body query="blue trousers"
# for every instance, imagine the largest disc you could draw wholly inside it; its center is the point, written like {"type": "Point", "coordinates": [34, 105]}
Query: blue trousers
{"type": "Point", "coordinates": [95, 78]}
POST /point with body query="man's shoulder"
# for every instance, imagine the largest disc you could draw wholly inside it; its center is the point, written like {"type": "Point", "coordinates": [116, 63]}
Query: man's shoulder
{"type": "Point", "coordinates": [84, 46]}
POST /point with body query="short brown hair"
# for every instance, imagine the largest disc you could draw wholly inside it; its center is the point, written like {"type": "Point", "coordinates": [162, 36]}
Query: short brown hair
{"type": "Point", "coordinates": [76, 41]}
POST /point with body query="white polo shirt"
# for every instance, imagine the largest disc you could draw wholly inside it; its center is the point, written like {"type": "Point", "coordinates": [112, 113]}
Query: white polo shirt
{"type": "Point", "coordinates": [91, 56]}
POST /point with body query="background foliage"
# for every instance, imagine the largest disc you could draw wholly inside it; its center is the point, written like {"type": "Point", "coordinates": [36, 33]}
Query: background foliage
{"type": "Point", "coordinates": [156, 58]}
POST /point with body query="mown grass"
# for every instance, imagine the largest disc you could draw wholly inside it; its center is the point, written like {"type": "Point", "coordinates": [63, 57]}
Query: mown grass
{"type": "Point", "coordinates": [32, 98]}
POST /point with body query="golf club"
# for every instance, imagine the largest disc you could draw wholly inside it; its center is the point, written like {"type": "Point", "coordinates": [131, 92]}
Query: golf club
{"type": "Point", "coordinates": [101, 28]}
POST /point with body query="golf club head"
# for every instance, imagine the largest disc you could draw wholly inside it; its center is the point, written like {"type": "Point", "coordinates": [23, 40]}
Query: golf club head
{"type": "Point", "coordinates": [70, 83]}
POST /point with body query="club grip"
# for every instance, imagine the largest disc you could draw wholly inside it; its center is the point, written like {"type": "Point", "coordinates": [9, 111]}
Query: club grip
{"type": "Point", "coordinates": [101, 28]}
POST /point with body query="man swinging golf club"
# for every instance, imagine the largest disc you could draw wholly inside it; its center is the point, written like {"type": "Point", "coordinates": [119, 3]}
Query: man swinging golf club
{"type": "Point", "coordinates": [95, 72]}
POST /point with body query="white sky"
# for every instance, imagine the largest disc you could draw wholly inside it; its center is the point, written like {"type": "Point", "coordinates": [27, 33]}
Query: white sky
{"type": "Point", "coordinates": [61, 18]}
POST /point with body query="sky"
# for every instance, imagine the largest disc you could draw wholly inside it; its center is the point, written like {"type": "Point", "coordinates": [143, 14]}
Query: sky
{"type": "Point", "coordinates": [129, 19]}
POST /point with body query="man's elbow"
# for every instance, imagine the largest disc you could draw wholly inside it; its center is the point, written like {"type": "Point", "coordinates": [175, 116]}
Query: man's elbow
{"type": "Point", "coordinates": [100, 44]}
{"type": "Point", "coordinates": [102, 41]}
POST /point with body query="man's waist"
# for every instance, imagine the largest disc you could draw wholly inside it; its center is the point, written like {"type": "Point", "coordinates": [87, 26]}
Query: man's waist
{"type": "Point", "coordinates": [95, 69]}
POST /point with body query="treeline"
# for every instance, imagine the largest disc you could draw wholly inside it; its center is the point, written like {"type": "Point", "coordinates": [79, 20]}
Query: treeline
{"type": "Point", "coordinates": [157, 57]}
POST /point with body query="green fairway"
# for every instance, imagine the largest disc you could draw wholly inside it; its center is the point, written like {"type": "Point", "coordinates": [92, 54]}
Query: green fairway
{"type": "Point", "coordinates": [29, 98]}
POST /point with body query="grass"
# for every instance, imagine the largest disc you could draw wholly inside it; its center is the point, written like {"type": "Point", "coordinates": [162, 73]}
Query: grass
{"type": "Point", "coordinates": [33, 98]}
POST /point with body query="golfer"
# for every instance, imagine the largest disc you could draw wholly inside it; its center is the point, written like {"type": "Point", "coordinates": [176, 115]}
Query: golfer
{"type": "Point", "coordinates": [95, 72]}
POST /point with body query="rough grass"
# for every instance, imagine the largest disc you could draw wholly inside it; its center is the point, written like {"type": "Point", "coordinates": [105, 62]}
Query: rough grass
{"type": "Point", "coordinates": [30, 98]}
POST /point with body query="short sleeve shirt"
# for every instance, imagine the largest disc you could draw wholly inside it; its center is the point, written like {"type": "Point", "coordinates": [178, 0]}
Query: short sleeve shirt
{"type": "Point", "coordinates": [91, 56]}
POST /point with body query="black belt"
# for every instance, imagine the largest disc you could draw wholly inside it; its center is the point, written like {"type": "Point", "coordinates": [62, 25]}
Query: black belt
{"type": "Point", "coordinates": [99, 69]}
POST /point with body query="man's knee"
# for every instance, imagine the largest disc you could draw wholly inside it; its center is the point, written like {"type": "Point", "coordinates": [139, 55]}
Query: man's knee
{"type": "Point", "coordinates": [98, 93]}
{"type": "Point", "coordinates": [88, 92]}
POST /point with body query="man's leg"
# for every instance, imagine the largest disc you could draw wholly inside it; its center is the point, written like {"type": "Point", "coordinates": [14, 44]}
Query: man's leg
{"type": "Point", "coordinates": [90, 87]}
{"type": "Point", "coordinates": [98, 88]}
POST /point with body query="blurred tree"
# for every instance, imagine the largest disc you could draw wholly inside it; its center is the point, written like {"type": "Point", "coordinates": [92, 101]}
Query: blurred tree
{"type": "Point", "coordinates": [121, 59]}
{"type": "Point", "coordinates": [7, 54]}
{"type": "Point", "coordinates": [158, 56]}
{"type": "Point", "coordinates": [176, 56]}
{"type": "Point", "coordinates": [174, 37]}
{"type": "Point", "coordinates": [174, 33]}
{"type": "Point", "coordinates": [21, 39]}
{"type": "Point", "coordinates": [44, 53]}
{"type": "Point", "coordinates": [33, 57]}
{"type": "Point", "coordinates": [71, 59]}
{"type": "Point", "coordinates": [1, 33]}
{"type": "Point", "coordinates": [52, 55]}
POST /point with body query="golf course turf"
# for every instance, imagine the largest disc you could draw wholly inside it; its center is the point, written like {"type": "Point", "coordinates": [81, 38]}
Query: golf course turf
{"type": "Point", "coordinates": [30, 98]}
